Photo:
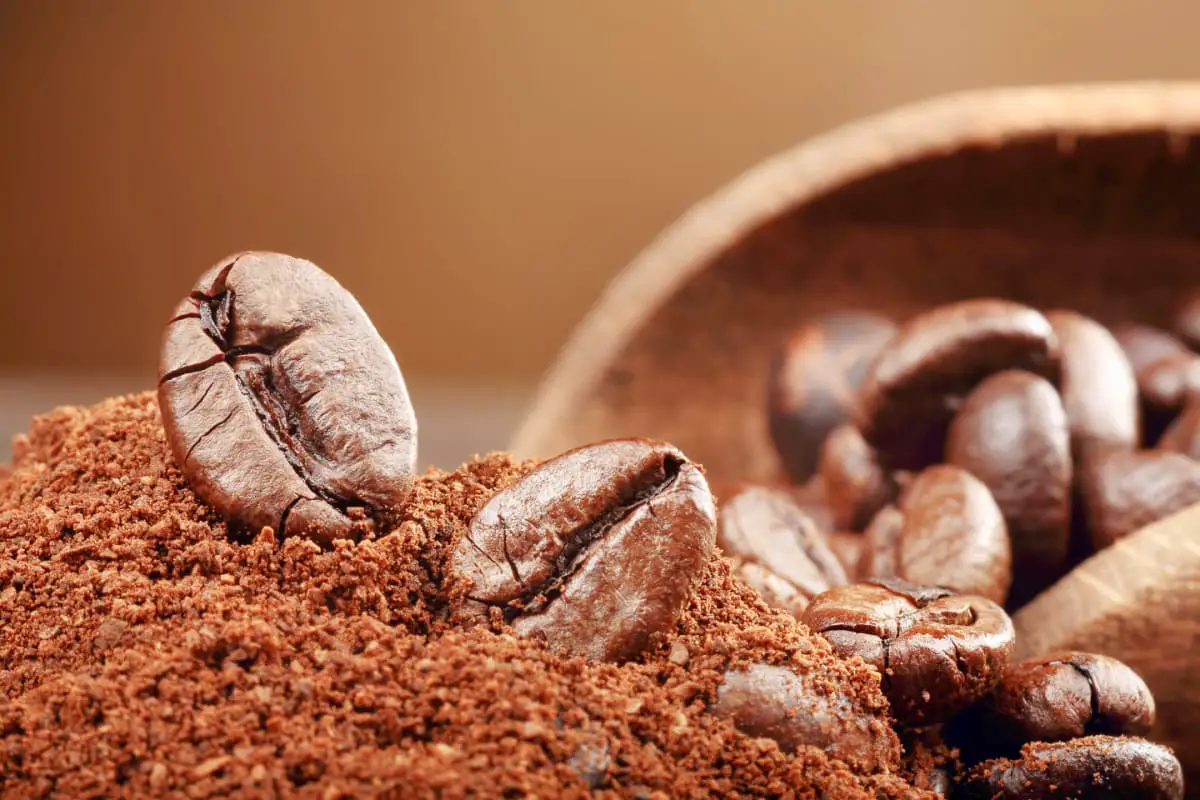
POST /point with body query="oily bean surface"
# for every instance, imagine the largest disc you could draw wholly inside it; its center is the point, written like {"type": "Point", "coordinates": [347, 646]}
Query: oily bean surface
{"type": "Point", "coordinates": [595, 550]}
{"type": "Point", "coordinates": [856, 485]}
{"type": "Point", "coordinates": [918, 380]}
{"type": "Point", "coordinates": [1124, 490]}
{"type": "Point", "coordinates": [937, 652]}
{"type": "Point", "coordinates": [282, 405]}
{"type": "Point", "coordinates": [1012, 435]}
{"type": "Point", "coordinates": [766, 527]}
{"type": "Point", "coordinates": [812, 383]}
{"type": "Point", "coordinates": [794, 710]}
{"type": "Point", "coordinates": [1095, 767]}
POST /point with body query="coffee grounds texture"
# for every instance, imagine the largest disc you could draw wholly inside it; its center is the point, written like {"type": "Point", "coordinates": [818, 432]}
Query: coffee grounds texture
{"type": "Point", "coordinates": [145, 653]}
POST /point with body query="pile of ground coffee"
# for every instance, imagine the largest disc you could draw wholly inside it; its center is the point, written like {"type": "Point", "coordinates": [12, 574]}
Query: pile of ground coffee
{"type": "Point", "coordinates": [143, 650]}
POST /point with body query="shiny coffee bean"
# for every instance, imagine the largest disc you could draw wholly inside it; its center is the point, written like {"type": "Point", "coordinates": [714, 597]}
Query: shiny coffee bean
{"type": "Point", "coordinates": [1124, 490]}
{"type": "Point", "coordinates": [936, 652]}
{"type": "Point", "coordinates": [855, 483]}
{"type": "Point", "coordinates": [284, 408]}
{"type": "Point", "coordinates": [796, 710]}
{"type": "Point", "coordinates": [916, 384]}
{"type": "Point", "coordinates": [765, 527]}
{"type": "Point", "coordinates": [1055, 698]}
{"type": "Point", "coordinates": [1187, 321]}
{"type": "Point", "coordinates": [812, 381]}
{"type": "Point", "coordinates": [951, 533]}
{"type": "Point", "coordinates": [1095, 768]}
{"type": "Point", "coordinates": [594, 550]}
{"type": "Point", "coordinates": [1183, 435]}
{"type": "Point", "coordinates": [1099, 391]}
{"type": "Point", "coordinates": [1012, 435]}
{"type": "Point", "coordinates": [848, 548]}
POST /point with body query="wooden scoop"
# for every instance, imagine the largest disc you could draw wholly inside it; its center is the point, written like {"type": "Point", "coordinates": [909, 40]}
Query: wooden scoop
{"type": "Point", "coordinates": [1081, 197]}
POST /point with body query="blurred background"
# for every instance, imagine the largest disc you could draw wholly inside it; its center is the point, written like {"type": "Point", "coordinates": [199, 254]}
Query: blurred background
{"type": "Point", "coordinates": [475, 172]}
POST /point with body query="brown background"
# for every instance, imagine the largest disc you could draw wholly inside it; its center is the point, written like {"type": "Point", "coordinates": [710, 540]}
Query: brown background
{"type": "Point", "coordinates": [475, 171]}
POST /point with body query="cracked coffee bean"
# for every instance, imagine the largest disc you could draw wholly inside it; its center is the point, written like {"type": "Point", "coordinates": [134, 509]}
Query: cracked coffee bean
{"type": "Point", "coordinates": [1099, 391]}
{"type": "Point", "coordinates": [771, 539]}
{"type": "Point", "coordinates": [1052, 699]}
{"type": "Point", "coordinates": [795, 710]}
{"type": "Point", "coordinates": [947, 531]}
{"type": "Point", "coordinates": [1096, 767]}
{"type": "Point", "coordinates": [936, 652]}
{"type": "Point", "coordinates": [284, 408]}
{"type": "Point", "coordinates": [1012, 435]}
{"type": "Point", "coordinates": [855, 483]}
{"type": "Point", "coordinates": [812, 381]}
{"type": "Point", "coordinates": [594, 550]}
{"type": "Point", "coordinates": [1124, 490]}
{"type": "Point", "coordinates": [918, 381]}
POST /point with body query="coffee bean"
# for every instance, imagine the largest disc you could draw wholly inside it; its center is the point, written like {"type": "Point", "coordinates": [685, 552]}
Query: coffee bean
{"type": "Point", "coordinates": [848, 548]}
{"type": "Point", "coordinates": [1162, 387]}
{"type": "Point", "coordinates": [797, 710]}
{"type": "Point", "coordinates": [1187, 321]}
{"type": "Point", "coordinates": [936, 652]}
{"type": "Point", "coordinates": [879, 556]}
{"type": "Point", "coordinates": [1099, 391]}
{"type": "Point", "coordinates": [812, 381]}
{"type": "Point", "coordinates": [950, 533]}
{"type": "Point", "coordinates": [1183, 435]}
{"type": "Point", "coordinates": [918, 381]}
{"type": "Point", "coordinates": [1012, 435]}
{"type": "Point", "coordinates": [284, 408]}
{"type": "Point", "coordinates": [1055, 698]}
{"type": "Point", "coordinates": [814, 500]}
{"type": "Point", "coordinates": [855, 484]}
{"type": "Point", "coordinates": [594, 550]}
{"type": "Point", "coordinates": [1095, 767]}
{"type": "Point", "coordinates": [772, 589]}
{"type": "Point", "coordinates": [766, 527]}
{"type": "Point", "coordinates": [1124, 490]}
{"type": "Point", "coordinates": [1144, 344]}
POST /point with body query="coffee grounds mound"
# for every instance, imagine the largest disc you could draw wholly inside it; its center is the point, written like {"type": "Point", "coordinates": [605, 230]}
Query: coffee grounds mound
{"type": "Point", "coordinates": [142, 652]}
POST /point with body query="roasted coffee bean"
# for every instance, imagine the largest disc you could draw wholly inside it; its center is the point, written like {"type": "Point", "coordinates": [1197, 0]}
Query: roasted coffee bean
{"type": "Point", "coordinates": [765, 526]}
{"type": "Point", "coordinates": [284, 408]}
{"type": "Point", "coordinates": [1099, 391]}
{"type": "Point", "coordinates": [855, 483]}
{"type": "Point", "coordinates": [814, 500]}
{"type": "Point", "coordinates": [936, 652]}
{"type": "Point", "coordinates": [812, 381]}
{"type": "Point", "coordinates": [1124, 490]}
{"type": "Point", "coordinates": [1012, 435]}
{"type": "Point", "coordinates": [1055, 698]}
{"type": "Point", "coordinates": [796, 710]}
{"type": "Point", "coordinates": [1183, 435]}
{"type": "Point", "coordinates": [848, 548]}
{"type": "Point", "coordinates": [1144, 344]}
{"type": "Point", "coordinates": [950, 533]}
{"type": "Point", "coordinates": [1167, 374]}
{"type": "Point", "coordinates": [1096, 767]}
{"type": "Point", "coordinates": [1187, 321]}
{"type": "Point", "coordinates": [915, 385]}
{"type": "Point", "coordinates": [774, 590]}
{"type": "Point", "coordinates": [594, 550]}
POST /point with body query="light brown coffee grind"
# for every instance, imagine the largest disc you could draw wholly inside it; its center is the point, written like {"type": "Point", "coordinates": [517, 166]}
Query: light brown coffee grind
{"type": "Point", "coordinates": [142, 652]}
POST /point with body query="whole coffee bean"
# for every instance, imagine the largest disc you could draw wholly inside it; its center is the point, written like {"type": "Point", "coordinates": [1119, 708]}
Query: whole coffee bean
{"type": "Point", "coordinates": [796, 710]}
{"type": "Point", "coordinates": [814, 500]}
{"type": "Point", "coordinates": [765, 526]}
{"type": "Point", "coordinates": [879, 556]}
{"type": "Point", "coordinates": [936, 652]}
{"type": "Point", "coordinates": [1096, 767]}
{"type": "Point", "coordinates": [1099, 390]}
{"type": "Point", "coordinates": [1124, 490]}
{"type": "Point", "coordinates": [1187, 321]}
{"type": "Point", "coordinates": [1145, 344]}
{"type": "Point", "coordinates": [1162, 388]}
{"type": "Point", "coordinates": [1012, 435]}
{"type": "Point", "coordinates": [812, 382]}
{"type": "Point", "coordinates": [1055, 698]}
{"type": "Point", "coordinates": [595, 550]}
{"type": "Point", "coordinates": [848, 548]}
{"type": "Point", "coordinates": [1183, 435]}
{"type": "Point", "coordinates": [772, 589]}
{"type": "Point", "coordinates": [951, 533]}
{"type": "Point", "coordinates": [855, 483]}
{"type": "Point", "coordinates": [916, 384]}
{"type": "Point", "coordinates": [283, 406]}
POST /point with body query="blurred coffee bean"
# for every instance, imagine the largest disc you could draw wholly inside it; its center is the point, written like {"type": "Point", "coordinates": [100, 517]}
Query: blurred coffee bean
{"type": "Point", "coordinates": [765, 526]}
{"type": "Point", "coordinates": [1052, 699]}
{"type": "Point", "coordinates": [1099, 391]}
{"type": "Point", "coordinates": [1187, 321]}
{"type": "Point", "coordinates": [1162, 387]}
{"type": "Point", "coordinates": [1012, 435]}
{"type": "Point", "coordinates": [916, 384]}
{"type": "Point", "coordinates": [772, 589]}
{"type": "Point", "coordinates": [595, 550]}
{"type": "Point", "coordinates": [936, 652]}
{"type": "Point", "coordinates": [1145, 344]}
{"type": "Point", "coordinates": [856, 486]}
{"type": "Point", "coordinates": [812, 383]}
{"type": "Point", "coordinates": [951, 533]}
{"type": "Point", "coordinates": [1095, 768]}
{"type": "Point", "coordinates": [1124, 490]}
{"type": "Point", "coordinates": [847, 546]}
{"type": "Point", "coordinates": [814, 500]}
{"type": "Point", "coordinates": [797, 710]}
{"type": "Point", "coordinates": [1183, 435]}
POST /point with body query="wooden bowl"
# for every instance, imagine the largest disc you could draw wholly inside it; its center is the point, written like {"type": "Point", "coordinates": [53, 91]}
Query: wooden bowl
{"type": "Point", "coordinates": [1085, 197]}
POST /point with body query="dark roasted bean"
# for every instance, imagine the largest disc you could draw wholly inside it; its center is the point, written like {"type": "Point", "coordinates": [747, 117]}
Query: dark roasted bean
{"type": "Point", "coordinates": [855, 484]}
